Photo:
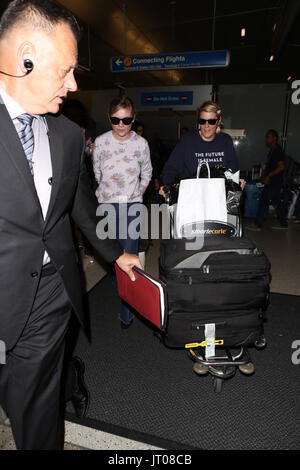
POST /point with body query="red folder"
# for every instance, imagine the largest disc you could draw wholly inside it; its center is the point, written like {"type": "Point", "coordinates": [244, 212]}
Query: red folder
{"type": "Point", "coordinates": [147, 295]}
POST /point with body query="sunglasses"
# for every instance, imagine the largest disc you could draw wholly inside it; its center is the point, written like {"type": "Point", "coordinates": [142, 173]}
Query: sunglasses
{"type": "Point", "coordinates": [211, 122]}
{"type": "Point", "coordinates": [126, 121]}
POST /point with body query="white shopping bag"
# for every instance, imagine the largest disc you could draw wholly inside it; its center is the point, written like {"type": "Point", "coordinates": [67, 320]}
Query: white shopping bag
{"type": "Point", "coordinates": [200, 200]}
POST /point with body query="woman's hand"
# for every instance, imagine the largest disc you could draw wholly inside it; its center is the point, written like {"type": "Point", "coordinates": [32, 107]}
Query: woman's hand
{"type": "Point", "coordinates": [243, 184]}
{"type": "Point", "coordinates": [161, 192]}
{"type": "Point", "coordinates": [126, 262]}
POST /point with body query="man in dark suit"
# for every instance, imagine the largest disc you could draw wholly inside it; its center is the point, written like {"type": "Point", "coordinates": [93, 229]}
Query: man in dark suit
{"type": "Point", "coordinates": [43, 182]}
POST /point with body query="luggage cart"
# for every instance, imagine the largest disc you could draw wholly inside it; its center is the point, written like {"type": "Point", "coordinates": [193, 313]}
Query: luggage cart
{"type": "Point", "coordinates": [227, 360]}
{"type": "Point", "coordinates": [225, 363]}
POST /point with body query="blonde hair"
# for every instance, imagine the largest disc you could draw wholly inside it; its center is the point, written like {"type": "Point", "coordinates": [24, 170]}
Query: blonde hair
{"type": "Point", "coordinates": [212, 107]}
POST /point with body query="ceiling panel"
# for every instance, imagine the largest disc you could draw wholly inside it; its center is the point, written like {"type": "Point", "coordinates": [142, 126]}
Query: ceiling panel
{"type": "Point", "coordinates": [154, 26]}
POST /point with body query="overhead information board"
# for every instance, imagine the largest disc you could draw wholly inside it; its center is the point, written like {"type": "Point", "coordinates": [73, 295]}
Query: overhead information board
{"type": "Point", "coordinates": [173, 61]}
{"type": "Point", "coordinates": [167, 98]}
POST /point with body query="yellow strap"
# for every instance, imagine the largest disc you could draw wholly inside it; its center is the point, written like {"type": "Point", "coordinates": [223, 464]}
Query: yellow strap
{"type": "Point", "coordinates": [218, 342]}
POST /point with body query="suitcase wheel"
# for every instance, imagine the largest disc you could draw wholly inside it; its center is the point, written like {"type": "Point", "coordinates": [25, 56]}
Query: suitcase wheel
{"type": "Point", "coordinates": [261, 343]}
{"type": "Point", "coordinates": [200, 369]}
{"type": "Point", "coordinates": [247, 369]}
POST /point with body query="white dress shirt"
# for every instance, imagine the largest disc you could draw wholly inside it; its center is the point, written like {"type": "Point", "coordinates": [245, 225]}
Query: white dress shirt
{"type": "Point", "coordinates": [42, 165]}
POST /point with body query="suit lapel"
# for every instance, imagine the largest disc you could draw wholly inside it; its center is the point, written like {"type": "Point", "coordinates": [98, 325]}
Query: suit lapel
{"type": "Point", "coordinates": [57, 155]}
{"type": "Point", "coordinates": [10, 140]}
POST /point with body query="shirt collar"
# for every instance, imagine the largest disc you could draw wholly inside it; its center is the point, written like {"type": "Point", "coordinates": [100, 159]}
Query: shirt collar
{"type": "Point", "coordinates": [13, 107]}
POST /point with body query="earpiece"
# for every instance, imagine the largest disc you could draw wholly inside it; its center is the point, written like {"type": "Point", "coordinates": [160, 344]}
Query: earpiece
{"type": "Point", "coordinates": [28, 64]}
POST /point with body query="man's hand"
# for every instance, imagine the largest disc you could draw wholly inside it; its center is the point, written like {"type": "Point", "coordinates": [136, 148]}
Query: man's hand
{"type": "Point", "coordinates": [267, 180]}
{"type": "Point", "coordinates": [126, 262]}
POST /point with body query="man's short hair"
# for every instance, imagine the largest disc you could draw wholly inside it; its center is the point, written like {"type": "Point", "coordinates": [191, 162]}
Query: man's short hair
{"type": "Point", "coordinates": [39, 15]}
{"type": "Point", "coordinates": [273, 133]}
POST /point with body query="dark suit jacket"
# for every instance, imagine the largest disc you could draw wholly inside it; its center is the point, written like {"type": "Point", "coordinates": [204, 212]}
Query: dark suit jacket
{"type": "Point", "coordinates": [24, 235]}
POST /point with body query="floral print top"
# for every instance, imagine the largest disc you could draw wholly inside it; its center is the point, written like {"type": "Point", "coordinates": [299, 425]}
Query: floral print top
{"type": "Point", "coordinates": [122, 168]}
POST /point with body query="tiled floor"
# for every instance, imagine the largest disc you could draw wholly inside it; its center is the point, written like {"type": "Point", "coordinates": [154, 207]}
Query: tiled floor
{"type": "Point", "coordinates": [81, 438]}
{"type": "Point", "coordinates": [98, 440]}
{"type": "Point", "coordinates": [7, 440]}
{"type": "Point", "coordinates": [283, 250]}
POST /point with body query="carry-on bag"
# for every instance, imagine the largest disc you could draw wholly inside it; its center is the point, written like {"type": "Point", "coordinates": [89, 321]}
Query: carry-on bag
{"type": "Point", "coordinates": [200, 200]}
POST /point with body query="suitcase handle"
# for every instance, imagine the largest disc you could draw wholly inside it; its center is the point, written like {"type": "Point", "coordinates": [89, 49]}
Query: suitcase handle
{"type": "Point", "coordinates": [196, 326]}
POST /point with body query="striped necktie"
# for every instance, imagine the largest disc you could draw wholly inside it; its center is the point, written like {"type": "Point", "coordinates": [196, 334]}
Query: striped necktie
{"type": "Point", "coordinates": [25, 133]}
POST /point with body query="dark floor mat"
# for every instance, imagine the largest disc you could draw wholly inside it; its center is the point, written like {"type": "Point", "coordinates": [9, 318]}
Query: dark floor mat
{"type": "Point", "coordinates": [142, 390]}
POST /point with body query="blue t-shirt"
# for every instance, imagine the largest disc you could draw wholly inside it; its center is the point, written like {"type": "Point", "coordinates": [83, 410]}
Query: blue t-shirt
{"type": "Point", "coordinates": [192, 150]}
{"type": "Point", "coordinates": [275, 156]}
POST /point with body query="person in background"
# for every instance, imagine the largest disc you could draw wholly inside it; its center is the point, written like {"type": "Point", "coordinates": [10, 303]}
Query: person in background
{"type": "Point", "coordinates": [159, 156]}
{"type": "Point", "coordinates": [77, 112]}
{"type": "Point", "coordinates": [206, 144]}
{"type": "Point", "coordinates": [139, 128]}
{"type": "Point", "coordinates": [296, 217]}
{"type": "Point", "coordinates": [273, 179]}
{"type": "Point", "coordinates": [74, 110]}
{"type": "Point", "coordinates": [122, 168]}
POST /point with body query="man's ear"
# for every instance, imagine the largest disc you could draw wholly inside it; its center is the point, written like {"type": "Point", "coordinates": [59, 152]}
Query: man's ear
{"type": "Point", "coordinates": [26, 51]}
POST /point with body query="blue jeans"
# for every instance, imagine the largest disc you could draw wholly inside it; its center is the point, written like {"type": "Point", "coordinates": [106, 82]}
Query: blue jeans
{"type": "Point", "coordinates": [272, 193]}
{"type": "Point", "coordinates": [297, 209]}
{"type": "Point", "coordinates": [130, 245]}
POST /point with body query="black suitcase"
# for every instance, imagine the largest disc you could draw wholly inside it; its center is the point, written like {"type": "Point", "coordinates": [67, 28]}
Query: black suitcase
{"type": "Point", "coordinates": [234, 328]}
{"type": "Point", "coordinates": [225, 282]}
